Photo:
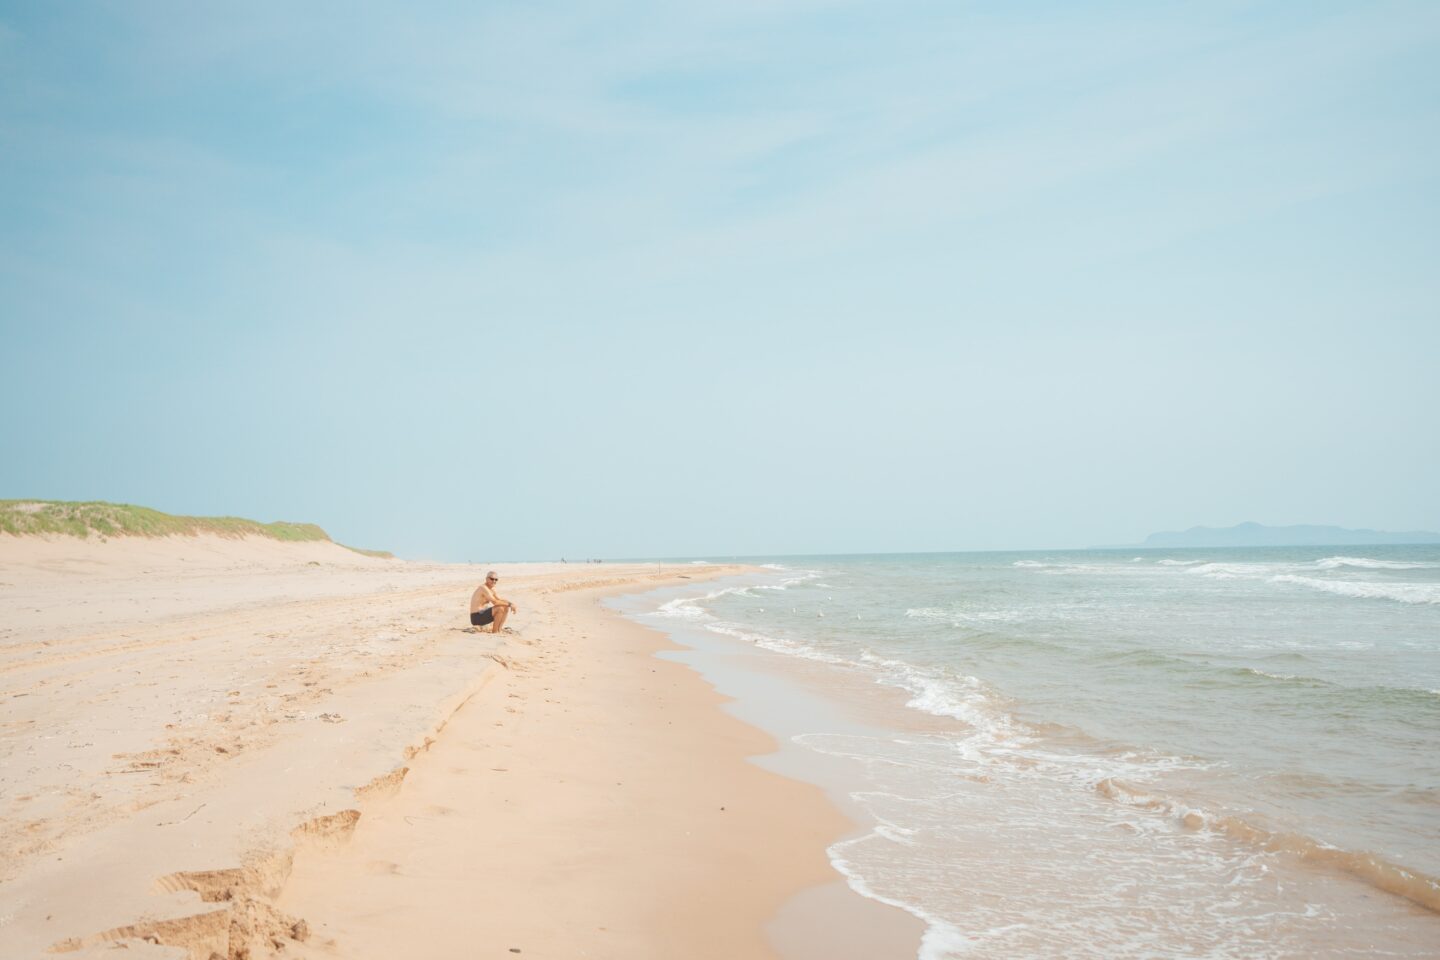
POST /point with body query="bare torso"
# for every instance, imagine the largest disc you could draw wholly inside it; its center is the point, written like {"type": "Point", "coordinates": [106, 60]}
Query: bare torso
{"type": "Point", "coordinates": [482, 597]}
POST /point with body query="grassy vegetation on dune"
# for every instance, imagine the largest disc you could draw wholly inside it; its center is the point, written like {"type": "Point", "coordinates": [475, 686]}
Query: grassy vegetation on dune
{"type": "Point", "coordinates": [123, 519]}
{"type": "Point", "coordinates": [21, 517]}
{"type": "Point", "coordinates": [382, 554]}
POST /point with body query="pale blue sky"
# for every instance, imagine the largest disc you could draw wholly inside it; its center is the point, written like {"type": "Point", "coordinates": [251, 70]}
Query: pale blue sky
{"type": "Point", "coordinates": [523, 280]}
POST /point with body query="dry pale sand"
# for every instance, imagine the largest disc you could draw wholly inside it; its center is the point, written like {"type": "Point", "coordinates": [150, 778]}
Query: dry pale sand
{"type": "Point", "coordinates": [255, 749]}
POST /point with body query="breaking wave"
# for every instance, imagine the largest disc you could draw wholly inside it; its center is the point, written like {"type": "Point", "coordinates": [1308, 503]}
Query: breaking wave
{"type": "Point", "coordinates": [1366, 563]}
{"type": "Point", "coordinates": [1371, 868]}
{"type": "Point", "coordinates": [1367, 590]}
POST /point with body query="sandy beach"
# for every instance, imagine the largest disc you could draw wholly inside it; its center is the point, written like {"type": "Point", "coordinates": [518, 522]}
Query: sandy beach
{"type": "Point", "coordinates": [247, 748]}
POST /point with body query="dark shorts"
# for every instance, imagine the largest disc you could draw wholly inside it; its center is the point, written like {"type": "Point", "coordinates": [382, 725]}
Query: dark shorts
{"type": "Point", "coordinates": [481, 617]}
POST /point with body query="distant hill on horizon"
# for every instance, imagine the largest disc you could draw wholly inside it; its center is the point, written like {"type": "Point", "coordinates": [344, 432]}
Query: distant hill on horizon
{"type": "Point", "coordinates": [1306, 535]}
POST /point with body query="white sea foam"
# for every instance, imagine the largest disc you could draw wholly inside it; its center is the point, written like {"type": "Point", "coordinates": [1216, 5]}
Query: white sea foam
{"type": "Point", "coordinates": [1052, 568]}
{"type": "Point", "coordinates": [779, 645]}
{"type": "Point", "coordinates": [957, 696]}
{"type": "Point", "coordinates": [685, 608]}
{"type": "Point", "coordinates": [1179, 563]}
{"type": "Point", "coordinates": [941, 939]}
{"type": "Point", "coordinates": [689, 608]}
{"type": "Point", "coordinates": [692, 608]}
{"type": "Point", "coordinates": [990, 616]}
{"type": "Point", "coordinates": [1064, 569]}
{"type": "Point", "coordinates": [1278, 676]}
{"type": "Point", "coordinates": [1366, 563]}
{"type": "Point", "coordinates": [1294, 573]}
{"type": "Point", "coordinates": [958, 617]}
{"type": "Point", "coordinates": [1233, 571]}
{"type": "Point", "coordinates": [1366, 590]}
{"type": "Point", "coordinates": [927, 613]}
{"type": "Point", "coordinates": [896, 833]}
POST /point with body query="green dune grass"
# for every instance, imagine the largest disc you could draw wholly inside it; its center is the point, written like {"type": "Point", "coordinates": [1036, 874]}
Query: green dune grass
{"type": "Point", "coordinates": [24, 517]}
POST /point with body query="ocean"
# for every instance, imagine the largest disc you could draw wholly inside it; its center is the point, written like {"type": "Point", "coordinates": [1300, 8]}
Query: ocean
{"type": "Point", "coordinates": [1191, 753]}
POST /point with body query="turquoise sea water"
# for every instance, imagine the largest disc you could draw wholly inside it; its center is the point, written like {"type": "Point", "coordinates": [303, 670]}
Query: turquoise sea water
{"type": "Point", "coordinates": [1207, 753]}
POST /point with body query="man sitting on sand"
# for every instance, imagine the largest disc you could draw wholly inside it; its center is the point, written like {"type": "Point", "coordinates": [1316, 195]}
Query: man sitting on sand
{"type": "Point", "coordinates": [488, 607]}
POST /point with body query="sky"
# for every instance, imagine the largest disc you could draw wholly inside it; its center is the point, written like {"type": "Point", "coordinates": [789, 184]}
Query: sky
{"type": "Point", "coordinates": [489, 281]}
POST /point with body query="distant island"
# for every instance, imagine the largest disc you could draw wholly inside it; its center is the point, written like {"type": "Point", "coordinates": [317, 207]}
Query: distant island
{"type": "Point", "coordinates": [1259, 535]}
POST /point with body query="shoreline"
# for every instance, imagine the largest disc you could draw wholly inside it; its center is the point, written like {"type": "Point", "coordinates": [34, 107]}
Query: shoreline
{"type": "Point", "coordinates": [350, 694]}
{"type": "Point", "coordinates": [654, 829]}
{"type": "Point", "coordinates": [788, 698]}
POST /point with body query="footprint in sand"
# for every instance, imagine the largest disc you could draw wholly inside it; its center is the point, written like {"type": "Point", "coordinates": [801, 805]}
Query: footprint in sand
{"type": "Point", "coordinates": [382, 868]}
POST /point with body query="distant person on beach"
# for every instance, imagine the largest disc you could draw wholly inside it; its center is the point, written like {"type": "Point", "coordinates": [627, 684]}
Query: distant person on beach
{"type": "Point", "coordinates": [488, 607]}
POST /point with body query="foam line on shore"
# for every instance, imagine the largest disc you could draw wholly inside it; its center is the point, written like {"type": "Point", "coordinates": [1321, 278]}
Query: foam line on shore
{"type": "Point", "coordinates": [1375, 870]}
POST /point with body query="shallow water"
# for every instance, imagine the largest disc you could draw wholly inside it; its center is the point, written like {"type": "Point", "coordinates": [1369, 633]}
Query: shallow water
{"type": "Point", "coordinates": [1190, 753]}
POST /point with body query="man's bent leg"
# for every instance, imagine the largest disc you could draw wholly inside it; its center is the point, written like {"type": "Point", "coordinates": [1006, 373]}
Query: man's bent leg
{"type": "Point", "coordinates": [500, 614]}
